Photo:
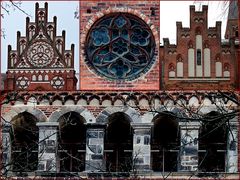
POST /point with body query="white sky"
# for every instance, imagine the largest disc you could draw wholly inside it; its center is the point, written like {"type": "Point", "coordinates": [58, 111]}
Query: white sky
{"type": "Point", "coordinates": [170, 12]}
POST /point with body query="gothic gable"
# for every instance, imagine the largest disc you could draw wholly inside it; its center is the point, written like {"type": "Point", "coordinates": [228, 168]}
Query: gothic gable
{"type": "Point", "coordinates": [41, 48]}
{"type": "Point", "coordinates": [40, 56]}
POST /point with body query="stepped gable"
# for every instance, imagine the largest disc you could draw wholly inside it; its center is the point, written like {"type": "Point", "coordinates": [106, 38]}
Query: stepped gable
{"type": "Point", "coordinates": [40, 61]}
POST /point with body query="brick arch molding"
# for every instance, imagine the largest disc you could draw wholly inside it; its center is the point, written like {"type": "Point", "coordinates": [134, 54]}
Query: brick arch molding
{"type": "Point", "coordinates": [134, 115]}
{"type": "Point", "coordinates": [86, 114]}
{"type": "Point", "coordinates": [32, 110]}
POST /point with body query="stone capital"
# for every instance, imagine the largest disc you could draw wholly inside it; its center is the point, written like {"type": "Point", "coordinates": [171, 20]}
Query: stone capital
{"type": "Point", "coordinates": [190, 125]}
{"type": "Point", "coordinates": [139, 126]}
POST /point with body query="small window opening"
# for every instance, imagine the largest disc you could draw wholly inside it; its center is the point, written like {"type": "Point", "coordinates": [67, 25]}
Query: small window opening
{"type": "Point", "coordinates": [153, 13]}
{"type": "Point", "coordinates": [199, 57]}
{"type": "Point", "coordinates": [89, 11]}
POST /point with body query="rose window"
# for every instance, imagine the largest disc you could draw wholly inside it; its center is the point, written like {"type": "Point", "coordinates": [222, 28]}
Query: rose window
{"type": "Point", "coordinates": [40, 54]}
{"type": "Point", "coordinates": [120, 46]}
{"type": "Point", "coordinates": [57, 82]}
{"type": "Point", "coordinates": [22, 82]}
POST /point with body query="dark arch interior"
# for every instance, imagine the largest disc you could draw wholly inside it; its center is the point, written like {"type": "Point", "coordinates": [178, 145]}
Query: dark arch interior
{"type": "Point", "coordinates": [72, 142]}
{"type": "Point", "coordinates": [236, 33]}
{"type": "Point", "coordinates": [72, 128]}
{"type": "Point", "coordinates": [212, 143]}
{"type": "Point", "coordinates": [165, 142]}
{"type": "Point", "coordinates": [118, 143]}
{"type": "Point", "coordinates": [24, 139]}
{"type": "Point", "coordinates": [119, 129]}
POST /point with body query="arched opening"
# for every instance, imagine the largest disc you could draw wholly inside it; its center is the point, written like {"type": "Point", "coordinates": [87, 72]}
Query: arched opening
{"type": "Point", "coordinates": [236, 33]}
{"type": "Point", "coordinates": [24, 141]}
{"type": "Point", "coordinates": [165, 143]}
{"type": "Point", "coordinates": [118, 143]}
{"type": "Point", "coordinates": [72, 142]}
{"type": "Point", "coordinates": [212, 143]}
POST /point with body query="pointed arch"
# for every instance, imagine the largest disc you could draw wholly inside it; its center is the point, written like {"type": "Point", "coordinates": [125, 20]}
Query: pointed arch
{"type": "Point", "coordinates": [179, 61]}
{"type": "Point", "coordinates": [32, 110]}
{"type": "Point", "coordinates": [171, 70]}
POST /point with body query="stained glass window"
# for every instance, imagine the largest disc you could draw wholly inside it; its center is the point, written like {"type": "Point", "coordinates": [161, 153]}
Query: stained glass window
{"type": "Point", "coordinates": [120, 46]}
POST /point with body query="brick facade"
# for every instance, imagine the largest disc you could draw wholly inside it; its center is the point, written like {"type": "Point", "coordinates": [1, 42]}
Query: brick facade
{"type": "Point", "coordinates": [187, 84]}
{"type": "Point", "coordinates": [223, 53]}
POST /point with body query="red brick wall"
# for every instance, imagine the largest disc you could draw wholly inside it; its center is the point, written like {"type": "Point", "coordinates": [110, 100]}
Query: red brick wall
{"type": "Point", "coordinates": [88, 79]}
{"type": "Point", "coordinates": [69, 78]}
{"type": "Point", "coordinates": [238, 56]}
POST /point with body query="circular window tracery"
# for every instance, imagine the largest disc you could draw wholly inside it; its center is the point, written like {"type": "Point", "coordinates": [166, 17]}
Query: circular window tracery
{"type": "Point", "coordinates": [120, 46]}
{"type": "Point", "coordinates": [40, 54]}
{"type": "Point", "coordinates": [57, 82]}
{"type": "Point", "coordinates": [22, 82]}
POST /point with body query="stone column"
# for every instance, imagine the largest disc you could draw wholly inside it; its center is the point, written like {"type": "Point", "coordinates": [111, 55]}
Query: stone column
{"type": "Point", "coordinates": [47, 148]}
{"type": "Point", "coordinates": [6, 151]}
{"type": "Point", "coordinates": [141, 147]}
{"type": "Point", "coordinates": [189, 146]}
{"type": "Point", "coordinates": [95, 148]}
{"type": "Point", "coordinates": [232, 148]}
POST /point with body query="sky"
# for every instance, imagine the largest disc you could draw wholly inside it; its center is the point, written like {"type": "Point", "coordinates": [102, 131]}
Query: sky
{"type": "Point", "coordinates": [170, 12]}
